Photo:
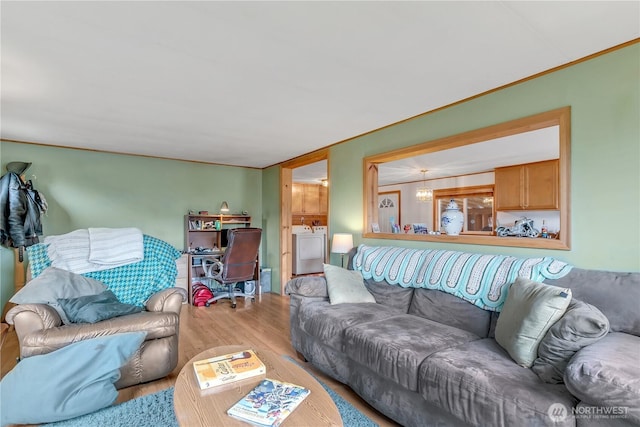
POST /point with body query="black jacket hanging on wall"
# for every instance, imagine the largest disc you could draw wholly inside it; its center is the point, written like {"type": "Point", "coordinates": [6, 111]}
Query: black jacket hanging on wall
{"type": "Point", "coordinates": [20, 223]}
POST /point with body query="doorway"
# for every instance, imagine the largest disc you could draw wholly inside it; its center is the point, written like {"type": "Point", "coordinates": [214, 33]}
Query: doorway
{"type": "Point", "coordinates": [389, 211]}
{"type": "Point", "coordinates": [287, 170]}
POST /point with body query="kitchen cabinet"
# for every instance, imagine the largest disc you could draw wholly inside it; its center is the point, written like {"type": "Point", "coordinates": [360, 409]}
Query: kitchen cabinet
{"type": "Point", "coordinates": [531, 186]}
{"type": "Point", "coordinates": [307, 199]}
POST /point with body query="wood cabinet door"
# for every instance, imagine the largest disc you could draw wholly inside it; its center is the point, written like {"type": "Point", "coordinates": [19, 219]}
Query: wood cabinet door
{"type": "Point", "coordinates": [297, 198]}
{"type": "Point", "coordinates": [311, 199]}
{"type": "Point", "coordinates": [509, 188]}
{"type": "Point", "coordinates": [324, 200]}
{"type": "Point", "coordinates": [542, 184]}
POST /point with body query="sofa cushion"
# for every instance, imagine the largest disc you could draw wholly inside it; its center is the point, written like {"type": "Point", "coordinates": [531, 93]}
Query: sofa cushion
{"type": "Point", "coordinates": [67, 383]}
{"type": "Point", "coordinates": [479, 383]}
{"type": "Point", "coordinates": [531, 308]}
{"type": "Point", "coordinates": [346, 286]}
{"type": "Point", "coordinates": [582, 324]}
{"type": "Point", "coordinates": [327, 322]}
{"type": "Point", "coordinates": [615, 294]}
{"type": "Point", "coordinates": [392, 295]}
{"type": "Point", "coordinates": [607, 373]}
{"type": "Point", "coordinates": [450, 310]}
{"type": "Point", "coordinates": [395, 347]}
{"type": "Point", "coordinates": [54, 283]}
{"type": "Point", "coordinates": [94, 308]}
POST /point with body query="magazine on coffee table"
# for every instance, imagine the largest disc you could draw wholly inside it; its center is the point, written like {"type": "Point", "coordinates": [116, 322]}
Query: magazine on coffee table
{"type": "Point", "coordinates": [269, 403]}
{"type": "Point", "coordinates": [227, 368]}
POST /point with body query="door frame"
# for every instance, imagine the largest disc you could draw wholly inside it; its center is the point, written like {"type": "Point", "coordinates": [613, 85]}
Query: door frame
{"type": "Point", "coordinates": [286, 184]}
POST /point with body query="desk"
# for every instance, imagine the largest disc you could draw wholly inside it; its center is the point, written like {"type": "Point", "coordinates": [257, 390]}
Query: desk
{"type": "Point", "coordinates": [195, 407]}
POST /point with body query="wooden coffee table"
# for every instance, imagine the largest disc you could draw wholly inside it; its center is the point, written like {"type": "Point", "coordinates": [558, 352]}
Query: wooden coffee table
{"type": "Point", "coordinates": [195, 407]}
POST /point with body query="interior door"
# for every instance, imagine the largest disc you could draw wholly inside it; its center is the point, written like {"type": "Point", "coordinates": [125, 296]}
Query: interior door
{"type": "Point", "coordinates": [389, 210]}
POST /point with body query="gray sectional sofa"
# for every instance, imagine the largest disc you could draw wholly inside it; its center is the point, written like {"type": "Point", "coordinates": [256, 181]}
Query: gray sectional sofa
{"type": "Point", "coordinates": [424, 357]}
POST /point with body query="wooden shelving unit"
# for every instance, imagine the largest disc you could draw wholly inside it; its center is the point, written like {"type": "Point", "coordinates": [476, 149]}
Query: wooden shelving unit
{"type": "Point", "coordinates": [200, 231]}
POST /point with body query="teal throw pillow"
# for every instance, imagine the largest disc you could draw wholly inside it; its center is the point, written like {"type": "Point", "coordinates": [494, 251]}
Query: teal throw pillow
{"type": "Point", "coordinates": [69, 382]}
{"type": "Point", "coordinates": [345, 286]}
{"type": "Point", "coordinates": [94, 308]}
{"type": "Point", "coordinates": [54, 283]}
{"type": "Point", "coordinates": [530, 309]}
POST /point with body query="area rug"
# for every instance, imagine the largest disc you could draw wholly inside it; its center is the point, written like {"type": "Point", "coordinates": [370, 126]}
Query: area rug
{"type": "Point", "coordinates": [156, 410]}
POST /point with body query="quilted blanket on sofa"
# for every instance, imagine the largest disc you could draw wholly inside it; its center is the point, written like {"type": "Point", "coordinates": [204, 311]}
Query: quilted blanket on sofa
{"type": "Point", "coordinates": [480, 279]}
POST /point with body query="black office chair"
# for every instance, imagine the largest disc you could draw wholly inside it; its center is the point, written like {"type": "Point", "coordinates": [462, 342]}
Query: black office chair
{"type": "Point", "coordinates": [238, 264]}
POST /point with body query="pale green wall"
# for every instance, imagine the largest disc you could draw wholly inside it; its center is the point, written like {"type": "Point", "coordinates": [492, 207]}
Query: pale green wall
{"type": "Point", "coordinates": [90, 189]}
{"type": "Point", "coordinates": [604, 94]}
{"type": "Point", "coordinates": [271, 224]}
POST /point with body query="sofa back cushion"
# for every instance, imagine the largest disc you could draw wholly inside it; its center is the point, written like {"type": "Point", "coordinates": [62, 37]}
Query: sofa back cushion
{"type": "Point", "coordinates": [393, 296]}
{"type": "Point", "coordinates": [450, 310]}
{"type": "Point", "coordinates": [615, 294]}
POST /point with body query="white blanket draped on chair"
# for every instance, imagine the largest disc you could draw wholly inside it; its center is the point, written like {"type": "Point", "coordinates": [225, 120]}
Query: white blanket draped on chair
{"type": "Point", "coordinates": [95, 249]}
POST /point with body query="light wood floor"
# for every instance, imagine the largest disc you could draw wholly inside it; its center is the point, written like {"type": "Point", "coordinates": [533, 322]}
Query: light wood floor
{"type": "Point", "coordinates": [261, 324]}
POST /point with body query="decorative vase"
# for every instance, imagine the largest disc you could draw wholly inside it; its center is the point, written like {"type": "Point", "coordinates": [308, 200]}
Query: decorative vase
{"type": "Point", "coordinates": [452, 219]}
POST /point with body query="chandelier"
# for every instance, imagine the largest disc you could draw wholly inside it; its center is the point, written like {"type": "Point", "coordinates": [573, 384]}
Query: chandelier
{"type": "Point", "coordinates": [424, 194]}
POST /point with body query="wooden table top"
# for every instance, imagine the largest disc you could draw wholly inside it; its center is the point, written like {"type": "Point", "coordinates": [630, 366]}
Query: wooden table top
{"type": "Point", "coordinates": [195, 407]}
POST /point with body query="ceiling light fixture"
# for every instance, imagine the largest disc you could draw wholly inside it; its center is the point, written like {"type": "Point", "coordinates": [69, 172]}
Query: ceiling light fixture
{"type": "Point", "coordinates": [424, 194]}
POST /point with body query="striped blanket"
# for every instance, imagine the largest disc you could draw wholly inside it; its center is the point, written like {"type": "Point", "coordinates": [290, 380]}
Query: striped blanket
{"type": "Point", "coordinates": [477, 278]}
{"type": "Point", "coordinates": [94, 249]}
{"type": "Point", "coordinates": [132, 283]}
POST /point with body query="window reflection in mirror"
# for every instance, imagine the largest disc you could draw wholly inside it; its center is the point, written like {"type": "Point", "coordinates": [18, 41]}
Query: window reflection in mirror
{"type": "Point", "coordinates": [525, 162]}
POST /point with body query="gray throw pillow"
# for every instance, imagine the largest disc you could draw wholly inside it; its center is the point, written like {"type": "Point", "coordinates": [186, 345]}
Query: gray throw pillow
{"type": "Point", "coordinates": [530, 309]}
{"type": "Point", "coordinates": [94, 308]}
{"type": "Point", "coordinates": [581, 325]}
{"type": "Point", "coordinates": [53, 284]}
{"type": "Point", "coordinates": [346, 286]}
{"type": "Point", "coordinates": [607, 374]}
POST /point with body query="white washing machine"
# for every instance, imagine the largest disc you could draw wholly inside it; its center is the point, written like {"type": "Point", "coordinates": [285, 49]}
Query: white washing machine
{"type": "Point", "coordinates": [309, 249]}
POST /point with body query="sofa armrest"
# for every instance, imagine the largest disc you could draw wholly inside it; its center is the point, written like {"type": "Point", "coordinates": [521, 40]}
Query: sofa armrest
{"type": "Point", "coordinates": [167, 300]}
{"type": "Point", "coordinates": [607, 373]}
{"type": "Point", "coordinates": [29, 318]}
{"type": "Point", "coordinates": [309, 286]}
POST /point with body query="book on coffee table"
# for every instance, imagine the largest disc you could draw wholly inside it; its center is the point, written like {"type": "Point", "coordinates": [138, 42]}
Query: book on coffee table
{"type": "Point", "coordinates": [269, 403]}
{"type": "Point", "coordinates": [227, 368]}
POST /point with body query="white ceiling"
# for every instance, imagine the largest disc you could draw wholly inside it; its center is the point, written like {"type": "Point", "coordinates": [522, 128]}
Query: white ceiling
{"type": "Point", "coordinates": [257, 83]}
